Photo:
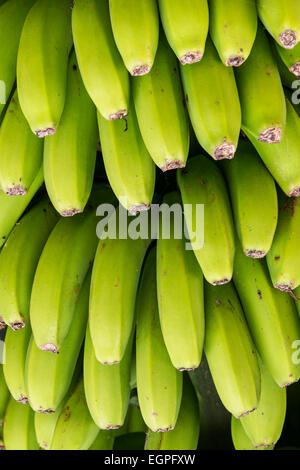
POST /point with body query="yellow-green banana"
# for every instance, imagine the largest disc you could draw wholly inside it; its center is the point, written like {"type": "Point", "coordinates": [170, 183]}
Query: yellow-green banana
{"type": "Point", "coordinates": [135, 26]}
{"type": "Point", "coordinates": [240, 439]}
{"type": "Point", "coordinates": [104, 441]}
{"type": "Point", "coordinates": [45, 44]}
{"type": "Point", "coordinates": [70, 155]}
{"type": "Point", "coordinates": [211, 235]}
{"type": "Point", "coordinates": [107, 387]}
{"type": "Point", "coordinates": [44, 424]}
{"type": "Point", "coordinates": [180, 296]}
{"type": "Point", "coordinates": [254, 200]}
{"type": "Point", "coordinates": [4, 395]}
{"type": "Point", "coordinates": [103, 72]}
{"type": "Point", "coordinates": [159, 104]}
{"type": "Point", "coordinates": [261, 93]}
{"type": "Point", "coordinates": [213, 104]}
{"type": "Point", "coordinates": [287, 77]}
{"type": "Point", "coordinates": [19, 432]}
{"type": "Point", "coordinates": [159, 384]}
{"type": "Point", "coordinates": [271, 316]}
{"type": "Point", "coordinates": [185, 23]}
{"type": "Point", "coordinates": [129, 167]}
{"type": "Point", "coordinates": [230, 351]}
{"type": "Point", "coordinates": [282, 20]}
{"type": "Point", "coordinates": [233, 26]}
{"type": "Point", "coordinates": [185, 435]}
{"type": "Point", "coordinates": [291, 58]}
{"type": "Point", "coordinates": [20, 256]}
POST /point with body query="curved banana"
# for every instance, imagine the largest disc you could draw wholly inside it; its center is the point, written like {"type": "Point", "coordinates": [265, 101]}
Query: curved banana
{"type": "Point", "coordinates": [107, 387]}
{"type": "Point", "coordinates": [213, 104]}
{"type": "Point", "coordinates": [48, 376]}
{"type": "Point", "coordinates": [185, 435]}
{"type": "Point", "coordinates": [44, 425]}
{"type": "Point", "coordinates": [75, 428]}
{"type": "Point", "coordinates": [70, 155]}
{"type": "Point", "coordinates": [282, 20]}
{"type": "Point", "coordinates": [185, 24]}
{"type": "Point", "coordinates": [261, 93]}
{"type": "Point", "coordinates": [159, 384]}
{"type": "Point", "coordinates": [159, 104]}
{"type": "Point", "coordinates": [240, 439]}
{"type": "Point", "coordinates": [18, 430]}
{"type": "Point", "coordinates": [19, 256]}
{"type": "Point", "coordinates": [271, 316]}
{"type": "Point", "coordinates": [42, 63]}
{"type": "Point", "coordinates": [135, 27]}
{"type": "Point", "coordinates": [103, 72]}
{"type": "Point", "coordinates": [201, 183]}
{"type": "Point", "coordinates": [291, 58]}
{"type": "Point", "coordinates": [233, 26]}
{"type": "Point", "coordinates": [180, 297]}
{"type": "Point", "coordinates": [230, 351]}
{"type": "Point", "coordinates": [129, 167]}
{"type": "Point", "coordinates": [255, 216]}
{"type": "Point", "coordinates": [4, 395]}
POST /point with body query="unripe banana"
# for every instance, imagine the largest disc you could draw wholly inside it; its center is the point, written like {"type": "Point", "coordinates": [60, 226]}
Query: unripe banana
{"type": "Point", "coordinates": [185, 435]}
{"type": "Point", "coordinates": [261, 93]}
{"type": "Point", "coordinates": [4, 395]}
{"type": "Point", "coordinates": [255, 216]}
{"type": "Point", "coordinates": [230, 351]}
{"type": "Point", "coordinates": [44, 424]}
{"type": "Point", "coordinates": [264, 426]}
{"type": "Point", "coordinates": [107, 387]}
{"type": "Point", "coordinates": [282, 20]}
{"type": "Point", "coordinates": [19, 256]}
{"type": "Point", "coordinates": [45, 43]}
{"type": "Point", "coordinates": [19, 432]}
{"type": "Point", "coordinates": [129, 167]}
{"type": "Point", "coordinates": [12, 17]}
{"type": "Point", "coordinates": [240, 439]}
{"type": "Point", "coordinates": [233, 26]}
{"type": "Point", "coordinates": [159, 104]}
{"type": "Point", "coordinates": [48, 376]}
{"type": "Point", "coordinates": [70, 155]}
{"type": "Point", "coordinates": [282, 159]}
{"type": "Point", "coordinates": [103, 72]}
{"type": "Point", "coordinates": [202, 183]}
{"type": "Point", "coordinates": [159, 384]}
{"type": "Point", "coordinates": [287, 77]}
{"type": "Point", "coordinates": [104, 441]}
{"type": "Point", "coordinates": [271, 316]}
{"type": "Point", "coordinates": [291, 58]}
{"type": "Point", "coordinates": [180, 297]}
{"type": "Point", "coordinates": [213, 103]}
{"type": "Point", "coordinates": [75, 428]}
{"type": "Point", "coordinates": [135, 27]}
{"type": "Point", "coordinates": [185, 23]}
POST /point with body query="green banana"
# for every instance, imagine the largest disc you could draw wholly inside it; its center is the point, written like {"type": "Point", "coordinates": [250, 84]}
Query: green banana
{"type": "Point", "coordinates": [16, 138]}
{"type": "Point", "coordinates": [233, 26]}
{"type": "Point", "coordinates": [159, 104]}
{"type": "Point", "coordinates": [261, 93]}
{"type": "Point", "coordinates": [19, 256]}
{"type": "Point", "coordinates": [103, 72]}
{"type": "Point", "coordinates": [284, 272]}
{"type": "Point", "coordinates": [282, 159]}
{"type": "Point", "coordinates": [44, 424]}
{"type": "Point", "coordinates": [271, 316]}
{"type": "Point", "coordinates": [240, 439]}
{"type": "Point", "coordinates": [213, 104]}
{"type": "Point", "coordinates": [4, 395]}
{"type": "Point", "coordinates": [291, 58]}
{"type": "Point", "coordinates": [180, 298]}
{"type": "Point", "coordinates": [12, 17]}
{"type": "Point", "coordinates": [185, 435]}
{"type": "Point", "coordinates": [56, 370]}
{"type": "Point", "coordinates": [255, 216]}
{"type": "Point", "coordinates": [264, 426]}
{"type": "Point", "coordinates": [129, 167]}
{"type": "Point", "coordinates": [230, 351]}
{"type": "Point", "coordinates": [104, 441]}
{"type": "Point", "coordinates": [18, 430]}
{"type": "Point", "coordinates": [282, 20]}
{"type": "Point", "coordinates": [185, 23]}
{"type": "Point", "coordinates": [107, 387]}
{"type": "Point", "coordinates": [201, 183]}
{"type": "Point", "coordinates": [75, 428]}
{"type": "Point", "coordinates": [159, 384]}
{"type": "Point", "coordinates": [115, 278]}
{"type": "Point", "coordinates": [11, 208]}
{"type": "Point", "coordinates": [287, 77]}
{"type": "Point", "coordinates": [135, 27]}
{"type": "Point", "coordinates": [70, 155]}
{"type": "Point", "coordinates": [42, 62]}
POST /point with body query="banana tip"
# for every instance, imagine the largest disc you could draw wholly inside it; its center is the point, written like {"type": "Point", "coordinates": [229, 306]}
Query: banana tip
{"type": "Point", "coordinates": [133, 210]}
{"type": "Point", "coordinates": [172, 165]}
{"type": "Point", "coordinates": [16, 191]}
{"type": "Point", "coordinates": [288, 39]}
{"type": "Point", "coordinates": [45, 132]}
{"type": "Point", "coordinates": [295, 69]}
{"type": "Point", "coordinates": [118, 115]}
{"type": "Point", "coordinates": [221, 282]}
{"type": "Point", "coordinates": [49, 347]}
{"type": "Point", "coordinates": [140, 70]}
{"type": "Point", "coordinates": [70, 212]}
{"type": "Point", "coordinates": [23, 400]}
{"type": "Point", "coordinates": [271, 135]}
{"type": "Point", "coordinates": [245, 413]}
{"type": "Point", "coordinates": [191, 57]}
{"type": "Point", "coordinates": [255, 253]}
{"type": "Point", "coordinates": [234, 61]}
{"type": "Point", "coordinates": [295, 192]}
{"type": "Point", "coordinates": [17, 325]}
{"type": "Point", "coordinates": [224, 151]}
